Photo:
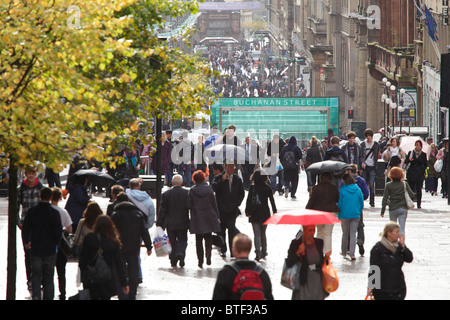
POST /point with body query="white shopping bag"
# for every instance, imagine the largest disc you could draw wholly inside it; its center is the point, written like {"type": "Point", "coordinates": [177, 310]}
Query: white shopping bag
{"type": "Point", "coordinates": [161, 243]}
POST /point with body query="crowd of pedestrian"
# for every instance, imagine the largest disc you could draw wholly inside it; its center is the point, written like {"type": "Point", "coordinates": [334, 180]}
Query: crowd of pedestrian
{"type": "Point", "coordinates": [208, 209]}
{"type": "Point", "coordinates": [247, 73]}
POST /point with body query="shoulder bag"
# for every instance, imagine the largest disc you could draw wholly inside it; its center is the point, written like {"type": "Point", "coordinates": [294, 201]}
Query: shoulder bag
{"type": "Point", "coordinates": [98, 271]}
{"type": "Point", "coordinates": [409, 202]}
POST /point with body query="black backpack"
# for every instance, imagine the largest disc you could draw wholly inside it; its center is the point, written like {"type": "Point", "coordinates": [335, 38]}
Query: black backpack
{"type": "Point", "coordinates": [289, 161]}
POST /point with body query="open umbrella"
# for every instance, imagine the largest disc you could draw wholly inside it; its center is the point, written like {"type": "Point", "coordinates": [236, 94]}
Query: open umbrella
{"type": "Point", "coordinates": [96, 177]}
{"type": "Point", "coordinates": [328, 165]}
{"type": "Point", "coordinates": [305, 217]}
{"type": "Point", "coordinates": [408, 143]}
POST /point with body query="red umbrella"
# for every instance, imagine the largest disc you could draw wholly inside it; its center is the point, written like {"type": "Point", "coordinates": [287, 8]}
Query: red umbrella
{"type": "Point", "coordinates": [305, 217]}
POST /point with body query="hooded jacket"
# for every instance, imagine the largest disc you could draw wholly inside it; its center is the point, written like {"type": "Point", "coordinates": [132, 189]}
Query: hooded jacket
{"type": "Point", "coordinates": [204, 211]}
{"type": "Point", "coordinates": [142, 200]}
{"type": "Point", "coordinates": [130, 222]}
{"type": "Point", "coordinates": [351, 202]}
{"type": "Point", "coordinates": [292, 146]}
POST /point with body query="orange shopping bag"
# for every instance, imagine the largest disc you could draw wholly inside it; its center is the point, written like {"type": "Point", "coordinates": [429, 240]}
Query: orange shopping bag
{"type": "Point", "coordinates": [330, 280]}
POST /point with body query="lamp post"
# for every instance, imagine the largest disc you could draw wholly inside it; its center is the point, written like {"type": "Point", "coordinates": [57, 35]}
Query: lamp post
{"type": "Point", "coordinates": [401, 108]}
{"type": "Point", "coordinates": [393, 105]}
{"type": "Point", "coordinates": [383, 100]}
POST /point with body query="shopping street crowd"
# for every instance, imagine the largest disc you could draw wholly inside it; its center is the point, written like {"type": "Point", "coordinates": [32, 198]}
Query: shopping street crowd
{"type": "Point", "coordinates": [244, 74]}
{"type": "Point", "coordinates": [208, 209]}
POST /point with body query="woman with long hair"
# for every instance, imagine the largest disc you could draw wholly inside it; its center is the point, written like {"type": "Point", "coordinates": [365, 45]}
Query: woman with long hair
{"type": "Point", "coordinates": [257, 215]}
{"type": "Point", "coordinates": [86, 224]}
{"type": "Point", "coordinates": [104, 239]}
{"type": "Point", "coordinates": [417, 163]}
{"type": "Point", "coordinates": [394, 195]}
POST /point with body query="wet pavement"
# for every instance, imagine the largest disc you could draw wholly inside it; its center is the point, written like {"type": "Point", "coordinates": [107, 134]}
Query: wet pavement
{"type": "Point", "coordinates": [427, 277]}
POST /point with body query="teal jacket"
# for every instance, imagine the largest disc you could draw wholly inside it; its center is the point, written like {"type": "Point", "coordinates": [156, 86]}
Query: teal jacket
{"type": "Point", "coordinates": [351, 202]}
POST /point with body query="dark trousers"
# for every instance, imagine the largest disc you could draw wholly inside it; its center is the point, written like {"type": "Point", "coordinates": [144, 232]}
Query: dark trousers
{"type": "Point", "coordinates": [42, 274]}
{"type": "Point", "coordinates": [178, 239]}
{"type": "Point", "coordinates": [61, 261]}
{"type": "Point", "coordinates": [369, 175]}
{"type": "Point", "coordinates": [416, 187]}
{"type": "Point", "coordinates": [291, 180]}
{"type": "Point", "coordinates": [132, 262]}
{"type": "Point", "coordinates": [199, 246]}
{"type": "Point", "coordinates": [228, 222]}
{"type": "Point", "coordinates": [247, 171]}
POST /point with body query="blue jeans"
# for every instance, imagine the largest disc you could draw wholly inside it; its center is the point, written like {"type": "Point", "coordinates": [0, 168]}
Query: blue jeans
{"type": "Point", "coordinates": [400, 215]}
{"type": "Point", "coordinates": [273, 181]}
{"type": "Point", "coordinates": [369, 174]}
{"type": "Point", "coordinates": [185, 171]}
{"type": "Point", "coordinates": [43, 271]}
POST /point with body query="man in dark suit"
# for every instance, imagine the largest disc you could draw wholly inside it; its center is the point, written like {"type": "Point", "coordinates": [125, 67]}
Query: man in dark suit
{"type": "Point", "coordinates": [229, 195]}
{"type": "Point", "coordinates": [174, 215]}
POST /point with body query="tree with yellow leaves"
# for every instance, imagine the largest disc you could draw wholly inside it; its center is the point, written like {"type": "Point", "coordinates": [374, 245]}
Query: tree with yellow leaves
{"type": "Point", "coordinates": [80, 76]}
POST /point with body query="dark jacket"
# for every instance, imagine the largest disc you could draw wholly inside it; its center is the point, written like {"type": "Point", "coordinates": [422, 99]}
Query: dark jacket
{"type": "Point", "coordinates": [417, 167]}
{"type": "Point", "coordinates": [77, 202]}
{"type": "Point", "coordinates": [130, 223]}
{"type": "Point", "coordinates": [336, 152]}
{"type": "Point", "coordinates": [42, 227]}
{"type": "Point", "coordinates": [265, 194]}
{"type": "Point", "coordinates": [204, 211]}
{"type": "Point", "coordinates": [324, 197]}
{"type": "Point", "coordinates": [173, 213]}
{"type": "Point", "coordinates": [359, 155]}
{"type": "Point", "coordinates": [228, 201]}
{"type": "Point", "coordinates": [225, 278]}
{"type": "Point", "coordinates": [313, 154]}
{"type": "Point", "coordinates": [304, 269]}
{"type": "Point", "coordinates": [392, 278]}
{"type": "Point", "coordinates": [112, 256]}
{"type": "Point", "coordinates": [292, 146]}
{"type": "Point", "coordinates": [375, 152]}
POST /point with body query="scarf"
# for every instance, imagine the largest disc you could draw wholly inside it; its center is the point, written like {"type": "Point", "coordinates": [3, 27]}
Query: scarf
{"type": "Point", "coordinates": [417, 153]}
{"type": "Point", "coordinates": [392, 246]}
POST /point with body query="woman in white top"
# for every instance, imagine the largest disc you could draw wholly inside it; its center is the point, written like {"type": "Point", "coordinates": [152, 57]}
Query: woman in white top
{"type": "Point", "coordinates": [393, 156]}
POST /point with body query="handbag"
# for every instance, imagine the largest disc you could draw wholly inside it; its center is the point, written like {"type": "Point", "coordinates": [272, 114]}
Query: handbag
{"type": "Point", "coordinates": [98, 271]}
{"type": "Point", "coordinates": [255, 201]}
{"type": "Point", "coordinates": [330, 280]}
{"type": "Point", "coordinates": [409, 202]}
{"type": "Point", "coordinates": [161, 243]}
{"type": "Point", "coordinates": [66, 245]}
{"type": "Point", "coordinates": [289, 275]}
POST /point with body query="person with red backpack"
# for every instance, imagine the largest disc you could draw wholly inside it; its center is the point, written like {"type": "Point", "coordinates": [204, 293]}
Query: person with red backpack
{"type": "Point", "coordinates": [243, 279]}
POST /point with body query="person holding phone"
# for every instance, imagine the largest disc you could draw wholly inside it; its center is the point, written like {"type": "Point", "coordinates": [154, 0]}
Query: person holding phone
{"type": "Point", "coordinates": [387, 282]}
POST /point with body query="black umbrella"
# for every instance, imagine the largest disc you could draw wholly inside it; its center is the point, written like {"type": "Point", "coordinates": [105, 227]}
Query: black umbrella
{"type": "Point", "coordinates": [328, 165]}
{"type": "Point", "coordinates": [95, 177]}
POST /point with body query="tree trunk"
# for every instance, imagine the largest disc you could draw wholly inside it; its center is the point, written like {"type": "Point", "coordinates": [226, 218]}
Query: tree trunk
{"type": "Point", "coordinates": [12, 232]}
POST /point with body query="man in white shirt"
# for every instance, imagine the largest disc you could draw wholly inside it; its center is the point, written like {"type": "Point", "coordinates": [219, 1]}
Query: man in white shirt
{"type": "Point", "coordinates": [368, 170]}
{"type": "Point", "coordinates": [61, 259]}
